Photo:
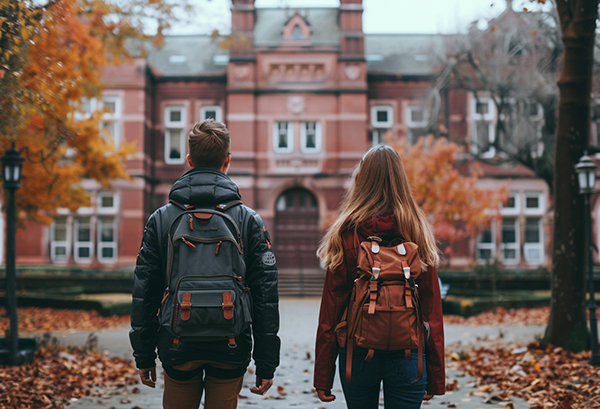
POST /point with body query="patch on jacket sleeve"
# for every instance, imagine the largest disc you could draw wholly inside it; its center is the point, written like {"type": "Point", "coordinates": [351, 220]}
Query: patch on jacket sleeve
{"type": "Point", "coordinates": [268, 258]}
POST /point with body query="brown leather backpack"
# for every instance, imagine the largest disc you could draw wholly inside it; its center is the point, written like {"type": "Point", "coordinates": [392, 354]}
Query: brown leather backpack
{"type": "Point", "coordinates": [384, 311]}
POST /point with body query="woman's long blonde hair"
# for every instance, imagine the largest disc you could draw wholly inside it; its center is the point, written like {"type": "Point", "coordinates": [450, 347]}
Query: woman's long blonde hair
{"type": "Point", "coordinates": [379, 187]}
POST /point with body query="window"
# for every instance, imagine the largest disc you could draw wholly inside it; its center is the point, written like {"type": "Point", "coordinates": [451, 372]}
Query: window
{"type": "Point", "coordinates": [382, 116]}
{"type": "Point", "coordinates": [595, 122]}
{"type": "Point", "coordinates": [83, 245]}
{"type": "Point", "coordinates": [417, 119]}
{"type": "Point", "coordinates": [59, 240]}
{"type": "Point", "coordinates": [107, 241]}
{"type": "Point", "coordinates": [483, 112]}
{"type": "Point", "coordinates": [512, 206]}
{"type": "Point", "coordinates": [107, 202]}
{"type": "Point", "coordinates": [486, 245]}
{"type": "Point", "coordinates": [310, 137]}
{"type": "Point", "coordinates": [534, 203]}
{"type": "Point", "coordinates": [111, 119]}
{"type": "Point", "coordinates": [379, 136]}
{"type": "Point", "coordinates": [296, 33]}
{"type": "Point", "coordinates": [211, 111]}
{"type": "Point", "coordinates": [283, 137]}
{"type": "Point", "coordinates": [510, 240]}
{"type": "Point", "coordinates": [174, 135]}
{"type": "Point", "coordinates": [533, 247]}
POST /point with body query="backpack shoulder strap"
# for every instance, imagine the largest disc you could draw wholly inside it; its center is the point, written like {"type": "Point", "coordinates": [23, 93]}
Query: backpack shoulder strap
{"type": "Point", "coordinates": [226, 206]}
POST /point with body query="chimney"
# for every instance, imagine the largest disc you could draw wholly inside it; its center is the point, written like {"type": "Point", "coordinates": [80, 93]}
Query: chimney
{"type": "Point", "coordinates": [242, 29]}
{"type": "Point", "coordinates": [352, 39]}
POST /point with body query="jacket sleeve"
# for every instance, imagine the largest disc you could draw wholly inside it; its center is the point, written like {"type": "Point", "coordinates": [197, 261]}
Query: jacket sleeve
{"type": "Point", "coordinates": [148, 287]}
{"type": "Point", "coordinates": [431, 301]}
{"type": "Point", "coordinates": [261, 278]}
{"type": "Point", "coordinates": [336, 292]}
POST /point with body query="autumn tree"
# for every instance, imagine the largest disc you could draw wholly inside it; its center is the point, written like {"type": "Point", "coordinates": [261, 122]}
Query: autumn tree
{"type": "Point", "coordinates": [51, 60]}
{"type": "Point", "coordinates": [457, 208]}
{"type": "Point", "coordinates": [514, 62]}
{"type": "Point", "coordinates": [567, 326]}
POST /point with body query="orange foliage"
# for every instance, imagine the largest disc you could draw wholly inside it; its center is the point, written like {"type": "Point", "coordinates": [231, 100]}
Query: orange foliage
{"type": "Point", "coordinates": [51, 58]}
{"type": "Point", "coordinates": [456, 207]}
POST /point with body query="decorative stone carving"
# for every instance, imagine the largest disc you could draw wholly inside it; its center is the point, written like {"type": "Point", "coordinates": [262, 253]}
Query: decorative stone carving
{"type": "Point", "coordinates": [296, 104]}
{"type": "Point", "coordinates": [241, 72]}
{"type": "Point", "coordinates": [352, 71]}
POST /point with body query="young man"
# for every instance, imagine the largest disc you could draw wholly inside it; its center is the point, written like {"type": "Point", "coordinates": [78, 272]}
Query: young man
{"type": "Point", "coordinates": [214, 367]}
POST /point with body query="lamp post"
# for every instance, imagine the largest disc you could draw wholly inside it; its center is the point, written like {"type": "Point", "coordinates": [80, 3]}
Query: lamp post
{"type": "Point", "coordinates": [586, 175]}
{"type": "Point", "coordinates": [11, 173]}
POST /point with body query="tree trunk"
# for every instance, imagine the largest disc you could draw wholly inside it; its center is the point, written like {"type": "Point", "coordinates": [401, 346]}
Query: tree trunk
{"type": "Point", "coordinates": [567, 326]}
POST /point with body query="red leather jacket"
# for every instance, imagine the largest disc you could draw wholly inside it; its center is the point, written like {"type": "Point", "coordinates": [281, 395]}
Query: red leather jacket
{"type": "Point", "coordinates": [336, 293]}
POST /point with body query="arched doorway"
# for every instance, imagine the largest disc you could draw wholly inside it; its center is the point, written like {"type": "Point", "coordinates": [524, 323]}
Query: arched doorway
{"type": "Point", "coordinates": [297, 229]}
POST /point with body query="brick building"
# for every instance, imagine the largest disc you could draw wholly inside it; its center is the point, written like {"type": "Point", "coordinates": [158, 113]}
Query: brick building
{"type": "Point", "coordinates": [304, 92]}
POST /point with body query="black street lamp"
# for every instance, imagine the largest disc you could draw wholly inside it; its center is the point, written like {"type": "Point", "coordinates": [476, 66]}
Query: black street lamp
{"type": "Point", "coordinates": [11, 173]}
{"type": "Point", "coordinates": [586, 175]}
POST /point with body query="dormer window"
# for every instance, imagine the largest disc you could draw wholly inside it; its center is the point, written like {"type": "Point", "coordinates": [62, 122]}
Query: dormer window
{"type": "Point", "coordinates": [296, 29]}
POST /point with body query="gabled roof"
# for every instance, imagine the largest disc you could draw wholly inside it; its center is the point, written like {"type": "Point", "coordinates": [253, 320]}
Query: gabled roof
{"type": "Point", "coordinates": [268, 27]}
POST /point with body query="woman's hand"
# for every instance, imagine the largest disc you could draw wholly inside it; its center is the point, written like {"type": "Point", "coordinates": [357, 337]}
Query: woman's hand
{"type": "Point", "coordinates": [427, 397]}
{"type": "Point", "coordinates": [325, 395]}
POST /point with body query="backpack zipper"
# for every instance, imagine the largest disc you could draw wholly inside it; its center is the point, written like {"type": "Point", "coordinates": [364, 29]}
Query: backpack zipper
{"type": "Point", "coordinates": [187, 239]}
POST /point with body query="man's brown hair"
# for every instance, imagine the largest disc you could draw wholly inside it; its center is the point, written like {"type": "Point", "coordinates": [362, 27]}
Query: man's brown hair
{"type": "Point", "coordinates": [209, 143]}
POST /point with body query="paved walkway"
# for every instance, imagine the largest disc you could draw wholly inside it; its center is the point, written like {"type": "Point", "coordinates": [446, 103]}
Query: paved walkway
{"type": "Point", "coordinates": [294, 376]}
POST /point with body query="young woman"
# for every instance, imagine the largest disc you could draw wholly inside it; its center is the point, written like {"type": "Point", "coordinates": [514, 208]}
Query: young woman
{"type": "Point", "coordinates": [378, 203]}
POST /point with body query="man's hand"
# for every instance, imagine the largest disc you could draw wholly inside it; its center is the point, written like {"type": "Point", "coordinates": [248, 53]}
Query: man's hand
{"type": "Point", "coordinates": [427, 397]}
{"type": "Point", "coordinates": [148, 376]}
{"type": "Point", "coordinates": [262, 386]}
{"type": "Point", "coordinates": [325, 395]}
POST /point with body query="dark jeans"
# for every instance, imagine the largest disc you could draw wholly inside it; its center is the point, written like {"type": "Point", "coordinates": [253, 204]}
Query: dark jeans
{"type": "Point", "coordinates": [400, 390]}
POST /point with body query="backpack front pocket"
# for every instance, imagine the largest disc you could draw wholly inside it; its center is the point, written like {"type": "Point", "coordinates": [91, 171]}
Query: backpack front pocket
{"type": "Point", "coordinates": [206, 307]}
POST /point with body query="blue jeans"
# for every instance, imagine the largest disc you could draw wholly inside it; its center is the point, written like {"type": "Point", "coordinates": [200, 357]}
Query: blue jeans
{"type": "Point", "coordinates": [400, 390]}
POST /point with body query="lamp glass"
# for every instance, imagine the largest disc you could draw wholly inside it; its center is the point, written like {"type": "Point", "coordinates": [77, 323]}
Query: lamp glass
{"type": "Point", "coordinates": [16, 173]}
{"type": "Point", "coordinates": [7, 173]}
{"type": "Point", "coordinates": [591, 179]}
{"type": "Point", "coordinates": [582, 180]}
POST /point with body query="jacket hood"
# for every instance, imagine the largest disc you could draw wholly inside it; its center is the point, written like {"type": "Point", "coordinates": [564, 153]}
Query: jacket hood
{"type": "Point", "coordinates": [204, 186]}
{"type": "Point", "coordinates": [380, 225]}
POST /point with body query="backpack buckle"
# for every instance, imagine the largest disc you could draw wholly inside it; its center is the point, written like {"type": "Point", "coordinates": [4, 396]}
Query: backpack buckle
{"type": "Point", "coordinates": [376, 271]}
{"type": "Point", "coordinates": [406, 272]}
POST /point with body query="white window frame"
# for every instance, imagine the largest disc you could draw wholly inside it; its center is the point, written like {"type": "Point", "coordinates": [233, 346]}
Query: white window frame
{"type": "Point", "coordinates": [290, 137]}
{"type": "Point", "coordinates": [80, 244]}
{"type": "Point", "coordinates": [175, 125]}
{"type": "Point", "coordinates": [490, 118]}
{"type": "Point", "coordinates": [535, 211]}
{"type": "Point", "coordinates": [486, 246]}
{"type": "Point", "coordinates": [377, 136]}
{"type": "Point", "coordinates": [532, 246]}
{"type": "Point", "coordinates": [512, 246]}
{"type": "Point", "coordinates": [318, 137]}
{"type": "Point", "coordinates": [54, 244]}
{"type": "Point", "coordinates": [410, 124]}
{"type": "Point", "coordinates": [107, 210]}
{"type": "Point", "coordinates": [382, 124]}
{"type": "Point", "coordinates": [102, 245]}
{"type": "Point", "coordinates": [114, 117]}
{"type": "Point", "coordinates": [512, 211]}
{"type": "Point", "coordinates": [216, 108]}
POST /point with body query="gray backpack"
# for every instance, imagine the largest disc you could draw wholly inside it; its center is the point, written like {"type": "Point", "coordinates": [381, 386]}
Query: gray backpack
{"type": "Point", "coordinates": [206, 299]}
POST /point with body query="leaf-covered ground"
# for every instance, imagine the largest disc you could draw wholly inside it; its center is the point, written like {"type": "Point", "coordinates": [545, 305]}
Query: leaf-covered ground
{"type": "Point", "coordinates": [551, 378]}
{"type": "Point", "coordinates": [523, 316]}
{"type": "Point", "coordinates": [59, 374]}
{"type": "Point", "coordinates": [33, 319]}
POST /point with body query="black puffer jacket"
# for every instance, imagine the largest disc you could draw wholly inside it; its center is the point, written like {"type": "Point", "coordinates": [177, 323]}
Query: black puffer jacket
{"type": "Point", "coordinates": [205, 187]}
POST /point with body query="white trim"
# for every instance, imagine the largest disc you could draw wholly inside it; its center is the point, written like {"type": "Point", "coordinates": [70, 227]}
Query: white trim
{"type": "Point", "coordinates": [540, 209]}
{"type": "Point", "coordinates": [511, 245]}
{"type": "Point", "coordinates": [55, 244]}
{"type": "Point", "coordinates": [114, 117]}
{"type": "Point", "coordinates": [289, 139]}
{"type": "Point", "coordinates": [318, 137]}
{"type": "Point", "coordinates": [512, 211]}
{"type": "Point", "coordinates": [378, 136]}
{"type": "Point", "coordinates": [416, 124]}
{"type": "Point", "coordinates": [390, 116]}
{"type": "Point", "coordinates": [106, 244]}
{"type": "Point", "coordinates": [107, 210]}
{"type": "Point", "coordinates": [539, 246]}
{"type": "Point", "coordinates": [486, 246]}
{"type": "Point", "coordinates": [82, 244]}
{"type": "Point", "coordinates": [216, 108]}
{"type": "Point", "coordinates": [490, 118]}
{"type": "Point", "coordinates": [175, 126]}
